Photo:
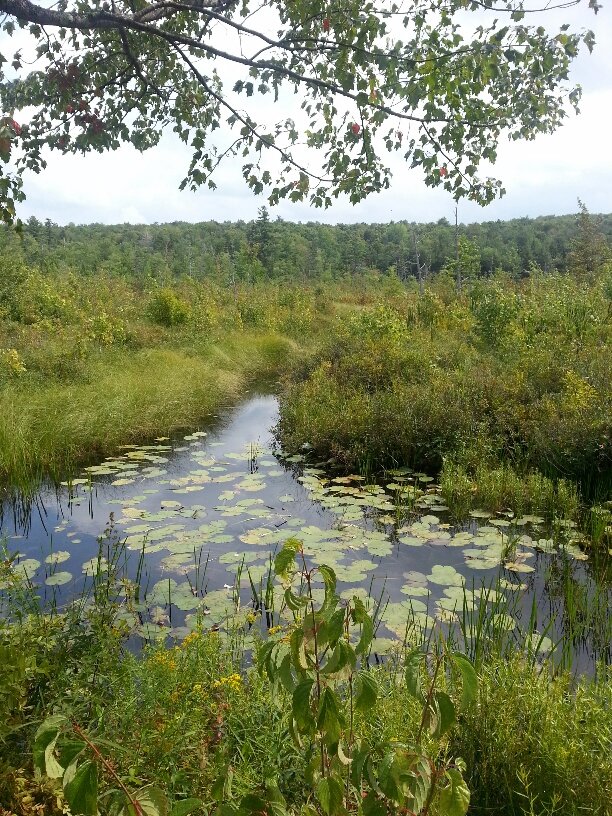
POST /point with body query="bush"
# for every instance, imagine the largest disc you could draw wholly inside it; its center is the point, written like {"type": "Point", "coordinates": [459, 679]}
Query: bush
{"type": "Point", "coordinates": [166, 309]}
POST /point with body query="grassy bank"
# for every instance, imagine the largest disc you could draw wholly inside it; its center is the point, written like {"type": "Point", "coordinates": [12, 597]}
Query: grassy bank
{"type": "Point", "coordinates": [128, 397]}
{"type": "Point", "coordinates": [87, 365]}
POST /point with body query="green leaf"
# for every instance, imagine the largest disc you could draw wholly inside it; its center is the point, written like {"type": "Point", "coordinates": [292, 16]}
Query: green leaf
{"type": "Point", "coordinates": [421, 781]}
{"type": "Point", "coordinates": [285, 674]}
{"type": "Point", "coordinates": [68, 751]}
{"type": "Point", "coordinates": [81, 791]}
{"type": "Point", "coordinates": [298, 652]}
{"type": "Point", "coordinates": [414, 661]}
{"type": "Point", "coordinates": [273, 792]}
{"type": "Point", "coordinates": [373, 806]}
{"type": "Point", "coordinates": [455, 797]}
{"type": "Point", "coordinates": [295, 602]}
{"type": "Point", "coordinates": [226, 809]}
{"type": "Point", "coordinates": [330, 795]}
{"type": "Point", "coordinates": [469, 678]}
{"type": "Point", "coordinates": [343, 657]}
{"type": "Point", "coordinates": [185, 806]}
{"type": "Point", "coordinates": [329, 718]}
{"type": "Point", "coordinates": [44, 745]}
{"type": "Point", "coordinates": [222, 786]}
{"type": "Point", "coordinates": [360, 615]}
{"type": "Point", "coordinates": [300, 705]}
{"type": "Point", "coordinates": [367, 691]}
{"type": "Point", "coordinates": [335, 626]}
{"type": "Point", "coordinates": [447, 716]}
{"type": "Point", "coordinates": [329, 579]}
{"type": "Point", "coordinates": [152, 800]}
{"type": "Point", "coordinates": [264, 658]}
{"type": "Point", "coordinates": [359, 757]}
{"type": "Point", "coordinates": [252, 804]}
{"type": "Point", "coordinates": [286, 557]}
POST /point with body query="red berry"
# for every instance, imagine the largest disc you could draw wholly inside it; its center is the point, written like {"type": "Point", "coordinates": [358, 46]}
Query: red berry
{"type": "Point", "coordinates": [15, 126]}
{"type": "Point", "coordinates": [355, 128]}
{"type": "Point", "coordinates": [326, 24]}
{"type": "Point", "coordinates": [443, 172]}
{"type": "Point", "coordinates": [69, 109]}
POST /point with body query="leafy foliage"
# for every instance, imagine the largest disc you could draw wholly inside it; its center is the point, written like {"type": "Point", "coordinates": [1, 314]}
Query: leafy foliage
{"type": "Point", "coordinates": [322, 665]}
{"type": "Point", "coordinates": [408, 79]}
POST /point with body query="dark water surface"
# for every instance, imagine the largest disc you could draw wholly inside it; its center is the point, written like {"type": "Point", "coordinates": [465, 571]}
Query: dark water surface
{"type": "Point", "coordinates": [195, 511]}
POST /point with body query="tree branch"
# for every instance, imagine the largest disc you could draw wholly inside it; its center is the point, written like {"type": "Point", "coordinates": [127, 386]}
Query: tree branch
{"type": "Point", "coordinates": [29, 12]}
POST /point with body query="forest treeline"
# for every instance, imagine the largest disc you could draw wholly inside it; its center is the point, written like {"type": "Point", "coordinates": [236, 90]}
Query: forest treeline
{"type": "Point", "coordinates": [281, 250]}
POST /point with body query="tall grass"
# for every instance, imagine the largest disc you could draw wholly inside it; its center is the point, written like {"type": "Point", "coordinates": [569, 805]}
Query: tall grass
{"type": "Point", "coordinates": [537, 744]}
{"type": "Point", "coordinates": [503, 488]}
{"type": "Point", "coordinates": [126, 397]}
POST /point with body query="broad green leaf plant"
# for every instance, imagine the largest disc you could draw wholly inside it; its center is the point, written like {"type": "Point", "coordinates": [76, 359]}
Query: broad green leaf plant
{"type": "Point", "coordinates": [64, 752]}
{"type": "Point", "coordinates": [321, 666]}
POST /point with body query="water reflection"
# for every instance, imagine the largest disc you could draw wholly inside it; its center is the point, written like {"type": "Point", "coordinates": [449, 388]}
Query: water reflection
{"type": "Point", "coordinates": [192, 513]}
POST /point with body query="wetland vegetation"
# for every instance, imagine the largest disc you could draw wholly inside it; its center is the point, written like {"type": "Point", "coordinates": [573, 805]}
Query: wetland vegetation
{"type": "Point", "coordinates": [397, 602]}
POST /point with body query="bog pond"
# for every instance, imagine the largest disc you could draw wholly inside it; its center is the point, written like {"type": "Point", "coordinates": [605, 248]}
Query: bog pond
{"type": "Point", "coordinates": [196, 520]}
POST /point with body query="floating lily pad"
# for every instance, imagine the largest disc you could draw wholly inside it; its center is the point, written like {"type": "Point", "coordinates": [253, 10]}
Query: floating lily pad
{"type": "Point", "coordinates": [414, 591]}
{"type": "Point", "coordinates": [58, 579]}
{"type": "Point", "coordinates": [57, 557]}
{"type": "Point", "coordinates": [540, 643]}
{"type": "Point", "coordinates": [518, 566]}
{"type": "Point", "coordinates": [446, 576]}
{"type": "Point", "coordinates": [502, 621]}
{"type": "Point", "coordinates": [26, 567]}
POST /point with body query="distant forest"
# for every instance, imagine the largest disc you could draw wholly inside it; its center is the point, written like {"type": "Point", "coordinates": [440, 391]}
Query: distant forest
{"type": "Point", "coordinates": [277, 249]}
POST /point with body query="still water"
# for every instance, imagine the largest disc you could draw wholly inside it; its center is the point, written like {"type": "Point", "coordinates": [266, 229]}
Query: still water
{"type": "Point", "coordinates": [197, 519]}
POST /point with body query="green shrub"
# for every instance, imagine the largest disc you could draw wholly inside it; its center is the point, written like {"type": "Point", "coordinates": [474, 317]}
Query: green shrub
{"type": "Point", "coordinates": [493, 309]}
{"type": "Point", "coordinates": [166, 309]}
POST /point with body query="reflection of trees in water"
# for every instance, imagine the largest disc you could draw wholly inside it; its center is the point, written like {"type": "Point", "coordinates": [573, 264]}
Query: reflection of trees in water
{"type": "Point", "coordinates": [19, 510]}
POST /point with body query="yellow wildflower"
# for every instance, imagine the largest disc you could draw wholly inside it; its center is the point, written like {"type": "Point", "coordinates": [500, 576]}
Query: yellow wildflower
{"type": "Point", "coordinates": [190, 638]}
{"type": "Point", "coordinates": [233, 682]}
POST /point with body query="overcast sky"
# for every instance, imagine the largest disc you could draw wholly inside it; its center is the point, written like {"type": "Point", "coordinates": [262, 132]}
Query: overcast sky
{"type": "Point", "coordinates": [542, 177]}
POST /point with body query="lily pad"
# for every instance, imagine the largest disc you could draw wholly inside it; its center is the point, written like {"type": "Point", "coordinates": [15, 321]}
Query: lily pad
{"type": "Point", "coordinates": [446, 576]}
{"type": "Point", "coordinates": [58, 579]}
{"type": "Point", "coordinates": [57, 557]}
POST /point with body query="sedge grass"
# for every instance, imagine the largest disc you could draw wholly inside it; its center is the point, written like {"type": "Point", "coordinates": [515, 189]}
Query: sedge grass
{"type": "Point", "coordinates": [127, 397]}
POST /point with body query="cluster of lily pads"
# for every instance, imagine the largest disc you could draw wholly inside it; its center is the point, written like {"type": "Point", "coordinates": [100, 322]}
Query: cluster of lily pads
{"type": "Point", "coordinates": [368, 532]}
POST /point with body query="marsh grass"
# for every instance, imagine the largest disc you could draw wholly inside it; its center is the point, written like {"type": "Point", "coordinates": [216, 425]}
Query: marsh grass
{"type": "Point", "coordinates": [88, 365]}
{"type": "Point", "coordinates": [127, 397]}
{"type": "Point", "coordinates": [412, 380]}
{"type": "Point", "coordinates": [537, 744]}
{"type": "Point", "coordinates": [504, 488]}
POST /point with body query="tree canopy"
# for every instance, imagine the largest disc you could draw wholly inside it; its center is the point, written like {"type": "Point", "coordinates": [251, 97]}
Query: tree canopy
{"type": "Point", "coordinates": [437, 81]}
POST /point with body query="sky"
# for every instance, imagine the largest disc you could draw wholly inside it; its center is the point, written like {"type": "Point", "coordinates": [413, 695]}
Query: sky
{"type": "Point", "coordinates": [545, 176]}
